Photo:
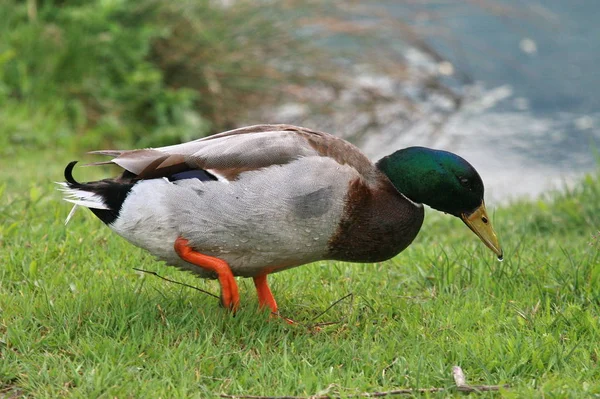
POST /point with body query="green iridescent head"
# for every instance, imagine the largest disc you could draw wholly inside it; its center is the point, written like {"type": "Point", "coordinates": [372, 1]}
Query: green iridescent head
{"type": "Point", "coordinates": [445, 182]}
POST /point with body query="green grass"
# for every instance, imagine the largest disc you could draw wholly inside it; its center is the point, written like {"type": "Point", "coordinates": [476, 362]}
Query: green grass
{"type": "Point", "coordinates": [77, 321]}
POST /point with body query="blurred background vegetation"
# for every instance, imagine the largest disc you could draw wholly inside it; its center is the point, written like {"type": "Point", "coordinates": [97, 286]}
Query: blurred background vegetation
{"type": "Point", "coordinates": [103, 73]}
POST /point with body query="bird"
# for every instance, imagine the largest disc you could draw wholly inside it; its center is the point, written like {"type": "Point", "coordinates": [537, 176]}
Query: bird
{"type": "Point", "coordinates": [261, 199]}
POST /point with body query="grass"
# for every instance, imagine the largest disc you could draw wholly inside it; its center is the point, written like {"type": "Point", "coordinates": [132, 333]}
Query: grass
{"type": "Point", "coordinates": [77, 321]}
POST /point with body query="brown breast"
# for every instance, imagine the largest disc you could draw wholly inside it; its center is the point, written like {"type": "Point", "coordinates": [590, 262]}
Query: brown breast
{"type": "Point", "coordinates": [377, 224]}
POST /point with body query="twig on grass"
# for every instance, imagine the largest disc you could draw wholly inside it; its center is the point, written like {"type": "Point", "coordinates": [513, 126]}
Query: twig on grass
{"type": "Point", "coordinates": [10, 392]}
{"type": "Point", "coordinates": [329, 323]}
{"type": "Point", "coordinates": [457, 374]}
{"type": "Point", "coordinates": [176, 282]}
{"type": "Point", "coordinates": [333, 304]}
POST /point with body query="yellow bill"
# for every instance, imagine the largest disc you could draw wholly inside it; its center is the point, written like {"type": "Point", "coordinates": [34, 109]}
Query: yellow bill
{"type": "Point", "coordinates": [479, 222]}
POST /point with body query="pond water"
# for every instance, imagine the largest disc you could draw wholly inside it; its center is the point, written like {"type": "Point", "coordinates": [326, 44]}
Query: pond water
{"type": "Point", "coordinates": [534, 122]}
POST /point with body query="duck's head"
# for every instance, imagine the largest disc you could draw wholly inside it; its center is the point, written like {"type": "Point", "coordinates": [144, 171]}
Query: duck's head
{"type": "Point", "coordinates": [445, 182]}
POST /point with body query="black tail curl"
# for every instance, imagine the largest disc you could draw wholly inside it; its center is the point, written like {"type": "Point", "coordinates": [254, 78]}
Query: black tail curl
{"type": "Point", "coordinates": [69, 176]}
{"type": "Point", "coordinates": [112, 191]}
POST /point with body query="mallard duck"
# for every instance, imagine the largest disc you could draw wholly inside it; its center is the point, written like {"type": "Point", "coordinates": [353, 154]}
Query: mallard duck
{"type": "Point", "coordinates": [261, 199]}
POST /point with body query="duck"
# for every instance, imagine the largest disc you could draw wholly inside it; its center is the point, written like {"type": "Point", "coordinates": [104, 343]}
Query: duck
{"type": "Point", "coordinates": [262, 199]}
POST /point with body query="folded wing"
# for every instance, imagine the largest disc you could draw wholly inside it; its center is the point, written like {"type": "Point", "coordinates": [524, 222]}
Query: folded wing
{"type": "Point", "coordinates": [231, 153]}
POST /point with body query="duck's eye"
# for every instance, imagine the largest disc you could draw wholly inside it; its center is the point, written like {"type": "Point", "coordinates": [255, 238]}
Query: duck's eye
{"type": "Point", "coordinates": [464, 181]}
{"type": "Point", "coordinates": [484, 220]}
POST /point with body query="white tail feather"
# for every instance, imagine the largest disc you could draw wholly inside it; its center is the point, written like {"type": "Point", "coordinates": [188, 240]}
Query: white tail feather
{"type": "Point", "coordinates": [81, 198]}
{"type": "Point", "coordinates": [87, 203]}
{"type": "Point", "coordinates": [71, 214]}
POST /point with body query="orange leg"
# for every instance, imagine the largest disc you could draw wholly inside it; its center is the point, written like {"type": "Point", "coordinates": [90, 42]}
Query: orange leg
{"type": "Point", "coordinates": [265, 297]}
{"type": "Point", "coordinates": [230, 298]}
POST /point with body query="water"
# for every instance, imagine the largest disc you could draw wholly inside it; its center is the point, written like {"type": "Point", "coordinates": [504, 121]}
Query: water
{"type": "Point", "coordinates": [534, 122]}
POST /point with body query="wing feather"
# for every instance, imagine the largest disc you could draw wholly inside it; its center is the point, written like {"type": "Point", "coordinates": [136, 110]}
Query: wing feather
{"type": "Point", "coordinates": [231, 153]}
